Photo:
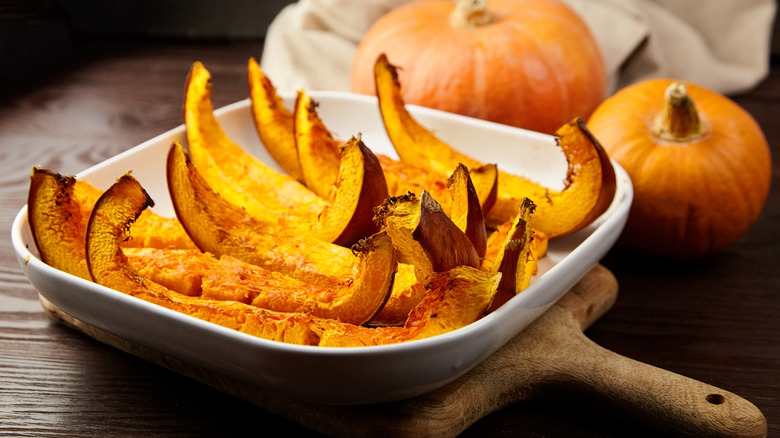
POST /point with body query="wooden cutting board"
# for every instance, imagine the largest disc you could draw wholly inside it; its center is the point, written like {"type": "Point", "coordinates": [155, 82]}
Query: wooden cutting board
{"type": "Point", "coordinates": [551, 358]}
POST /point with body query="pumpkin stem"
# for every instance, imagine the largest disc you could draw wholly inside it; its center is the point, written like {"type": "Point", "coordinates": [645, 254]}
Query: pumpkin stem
{"type": "Point", "coordinates": [679, 119]}
{"type": "Point", "coordinates": [470, 13]}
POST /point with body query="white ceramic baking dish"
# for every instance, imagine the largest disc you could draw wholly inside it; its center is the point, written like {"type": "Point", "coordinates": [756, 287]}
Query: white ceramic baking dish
{"type": "Point", "coordinates": [347, 375]}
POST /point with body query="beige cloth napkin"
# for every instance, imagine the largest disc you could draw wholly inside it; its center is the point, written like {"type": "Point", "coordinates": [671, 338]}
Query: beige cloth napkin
{"type": "Point", "coordinates": [720, 44]}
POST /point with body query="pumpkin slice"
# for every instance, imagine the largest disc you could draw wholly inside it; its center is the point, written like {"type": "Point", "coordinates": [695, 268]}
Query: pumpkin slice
{"type": "Point", "coordinates": [235, 174]}
{"type": "Point", "coordinates": [222, 228]}
{"type": "Point", "coordinates": [515, 260]}
{"type": "Point", "coordinates": [318, 151]}
{"type": "Point", "coordinates": [455, 298]}
{"type": "Point", "coordinates": [497, 240]}
{"type": "Point", "coordinates": [58, 208]}
{"type": "Point", "coordinates": [428, 241]}
{"type": "Point", "coordinates": [200, 274]}
{"type": "Point", "coordinates": [512, 260]}
{"type": "Point", "coordinates": [359, 188]}
{"type": "Point", "coordinates": [273, 122]}
{"type": "Point", "coordinates": [113, 215]}
{"type": "Point", "coordinates": [590, 179]}
{"type": "Point", "coordinates": [485, 181]}
{"type": "Point", "coordinates": [466, 212]}
{"type": "Point", "coordinates": [58, 221]}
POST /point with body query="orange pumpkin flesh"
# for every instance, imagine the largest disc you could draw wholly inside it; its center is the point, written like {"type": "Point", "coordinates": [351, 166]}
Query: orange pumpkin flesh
{"type": "Point", "coordinates": [58, 221]}
{"type": "Point", "coordinates": [466, 212]}
{"type": "Point", "coordinates": [234, 173]}
{"type": "Point", "coordinates": [229, 279]}
{"type": "Point", "coordinates": [512, 260]}
{"type": "Point", "coordinates": [527, 63]}
{"type": "Point", "coordinates": [360, 187]}
{"type": "Point", "coordinates": [318, 151]}
{"type": "Point", "coordinates": [700, 166]}
{"type": "Point", "coordinates": [405, 178]}
{"type": "Point", "coordinates": [590, 183]}
{"type": "Point", "coordinates": [273, 122]}
{"type": "Point", "coordinates": [409, 289]}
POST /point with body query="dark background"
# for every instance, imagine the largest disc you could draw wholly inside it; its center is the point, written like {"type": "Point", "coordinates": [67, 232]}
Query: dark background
{"type": "Point", "coordinates": [39, 38]}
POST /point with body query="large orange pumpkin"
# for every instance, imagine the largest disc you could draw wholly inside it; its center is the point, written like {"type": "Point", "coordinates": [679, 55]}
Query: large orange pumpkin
{"type": "Point", "coordinates": [699, 163]}
{"type": "Point", "coordinates": [527, 63]}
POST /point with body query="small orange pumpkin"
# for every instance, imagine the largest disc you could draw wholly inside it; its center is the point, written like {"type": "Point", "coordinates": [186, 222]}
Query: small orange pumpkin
{"type": "Point", "coordinates": [699, 163]}
{"type": "Point", "coordinates": [527, 63]}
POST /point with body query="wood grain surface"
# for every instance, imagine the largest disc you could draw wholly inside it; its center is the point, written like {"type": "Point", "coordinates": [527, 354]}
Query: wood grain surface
{"type": "Point", "coordinates": [713, 320]}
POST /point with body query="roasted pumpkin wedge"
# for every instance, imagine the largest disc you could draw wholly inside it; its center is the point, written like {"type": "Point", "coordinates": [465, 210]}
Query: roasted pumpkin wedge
{"type": "Point", "coordinates": [222, 228]}
{"type": "Point", "coordinates": [155, 231]}
{"type": "Point", "coordinates": [516, 258]}
{"type": "Point", "coordinates": [58, 221]}
{"type": "Point", "coordinates": [318, 151]}
{"type": "Point", "coordinates": [498, 239]}
{"type": "Point", "coordinates": [513, 259]}
{"type": "Point", "coordinates": [590, 180]}
{"type": "Point", "coordinates": [455, 299]}
{"type": "Point", "coordinates": [485, 181]}
{"type": "Point", "coordinates": [58, 208]}
{"type": "Point", "coordinates": [235, 174]}
{"type": "Point", "coordinates": [466, 211]}
{"type": "Point", "coordinates": [360, 187]}
{"type": "Point", "coordinates": [195, 273]}
{"type": "Point", "coordinates": [273, 122]}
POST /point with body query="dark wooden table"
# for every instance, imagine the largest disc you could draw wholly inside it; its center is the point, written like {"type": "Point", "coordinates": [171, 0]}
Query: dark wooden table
{"type": "Point", "coordinates": [714, 320]}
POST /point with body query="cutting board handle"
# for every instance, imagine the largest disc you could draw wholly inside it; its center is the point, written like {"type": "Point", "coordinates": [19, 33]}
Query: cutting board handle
{"type": "Point", "coordinates": [677, 405]}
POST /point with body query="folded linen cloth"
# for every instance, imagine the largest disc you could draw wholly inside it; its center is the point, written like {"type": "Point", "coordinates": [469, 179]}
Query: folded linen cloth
{"type": "Point", "coordinates": [720, 44]}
